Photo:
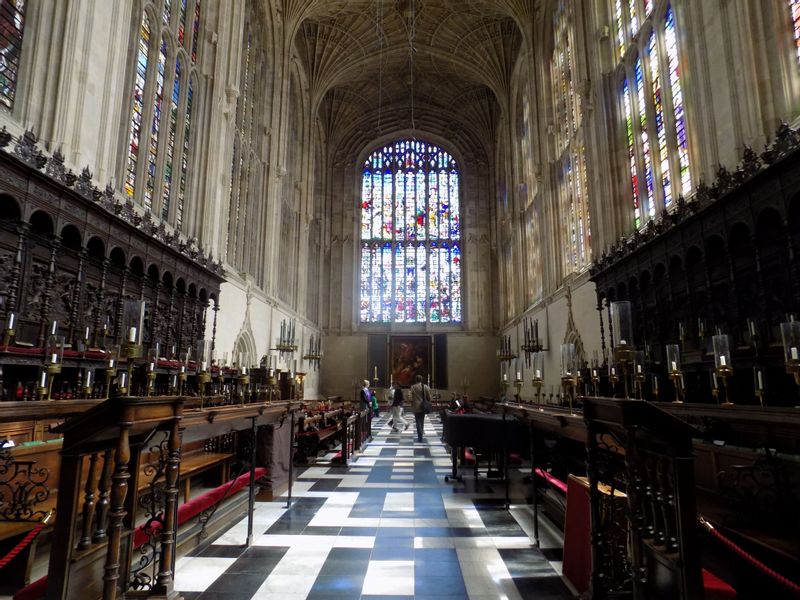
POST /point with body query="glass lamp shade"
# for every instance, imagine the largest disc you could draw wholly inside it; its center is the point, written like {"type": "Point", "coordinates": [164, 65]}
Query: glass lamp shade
{"type": "Point", "coordinates": [622, 323]}
{"type": "Point", "coordinates": [112, 356]}
{"type": "Point", "coordinates": [203, 351]}
{"type": "Point", "coordinates": [538, 367]}
{"type": "Point", "coordinates": [638, 363]}
{"type": "Point", "coordinates": [673, 359]}
{"type": "Point", "coordinates": [55, 349]}
{"type": "Point", "coordinates": [759, 379]}
{"type": "Point", "coordinates": [133, 321]}
{"type": "Point", "coordinates": [569, 361]}
{"type": "Point", "coordinates": [790, 333]}
{"type": "Point", "coordinates": [722, 352]}
{"type": "Point", "coordinates": [153, 354]}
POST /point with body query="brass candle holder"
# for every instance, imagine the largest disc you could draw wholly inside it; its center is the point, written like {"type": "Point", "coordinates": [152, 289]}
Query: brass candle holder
{"type": "Point", "coordinates": [9, 333]}
{"type": "Point", "coordinates": [42, 390]}
{"type": "Point", "coordinates": [722, 363]}
{"type": "Point", "coordinates": [674, 370]}
{"type": "Point", "coordinates": [613, 378]}
{"type": "Point", "coordinates": [87, 384]}
{"type": "Point", "coordinates": [518, 383]}
{"type": "Point", "coordinates": [569, 372]}
{"type": "Point", "coordinates": [623, 356]}
{"type": "Point", "coordinates": [639, 376]}
{"type": "Point", "coordinates": [725, 373]}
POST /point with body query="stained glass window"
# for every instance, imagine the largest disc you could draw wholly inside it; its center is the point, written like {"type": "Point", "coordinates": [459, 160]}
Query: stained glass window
{"type": "Point", "coordinates": [159, 129]}
{"type": "Point", "coordinates": [626, 100]}
{"type": "Point", "coordinates": [654, 121]}
{"type": "Point", "coordinates": [572, 190]}
{"type": "Point", "coordinates": [143, 49]}
{"type": "Point", "coordinates": [12, 25]}
{"type": "Point", "coordinates": [794, 6]}
{"type": "Point", "coordinates": [410, 235]}
{"type": "Point", "coordinates": [644, 137]}
{"type": "Point", "coordinates": [671, 43]}
{"type": "Point", "coordinates": [661, 130]}
{"type": "Point", "coordinates": [620, 25]}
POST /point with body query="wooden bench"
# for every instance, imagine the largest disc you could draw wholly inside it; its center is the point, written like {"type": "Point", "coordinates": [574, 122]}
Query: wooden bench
{"type": "Point", "coordinates": [192, 463]}
{"type": "Point", "coordinates": [30, 472]}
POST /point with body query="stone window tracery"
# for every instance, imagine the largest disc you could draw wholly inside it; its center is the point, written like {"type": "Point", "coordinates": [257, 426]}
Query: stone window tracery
{"type": "Point", "coordinates": [247, 163]}
{"type": "Point", "coordinates": [410, 235]}
{"type": "Point", "coordinates": [160, 126]}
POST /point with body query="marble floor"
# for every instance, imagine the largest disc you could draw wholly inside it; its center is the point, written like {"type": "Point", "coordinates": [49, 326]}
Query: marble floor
{"type": "Point", "coordinates": [387, 527]}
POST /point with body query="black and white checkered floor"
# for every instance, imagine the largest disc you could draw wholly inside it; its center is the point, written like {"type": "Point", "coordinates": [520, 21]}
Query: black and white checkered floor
{"type": "Point", "coordinates": [389, 526]}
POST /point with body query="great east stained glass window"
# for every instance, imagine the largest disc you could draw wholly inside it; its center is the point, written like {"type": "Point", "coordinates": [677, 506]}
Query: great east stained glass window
{"type": "Point", "coordinates": [410, 235]}
{"type": "Point", "coordinates": [160, 123]}
{"type": "Point", "coordinates": [12, 25]}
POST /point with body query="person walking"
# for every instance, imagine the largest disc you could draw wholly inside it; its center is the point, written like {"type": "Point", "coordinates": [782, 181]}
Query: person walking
{"type": "Point", "coordinates": [420, 404]}
{"type": "Point", "coordinates": [398, 420]}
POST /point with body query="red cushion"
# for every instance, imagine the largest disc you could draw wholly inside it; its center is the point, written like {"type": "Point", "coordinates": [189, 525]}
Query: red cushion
{"type": "Point", "coordinates": [36, 590]}
{"type": "Point", "coordinates": [715, 588]}
{"type": "Point", "coordinates": [33, 591]}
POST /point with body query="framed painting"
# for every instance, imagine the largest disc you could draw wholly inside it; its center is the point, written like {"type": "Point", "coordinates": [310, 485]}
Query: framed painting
{"type": "Point", "coordinates": [411, 356]}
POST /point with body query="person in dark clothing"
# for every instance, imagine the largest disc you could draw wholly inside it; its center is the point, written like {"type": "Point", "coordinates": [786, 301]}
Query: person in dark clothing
{"type": "Point", "coordinates": [419, 392]}
{"type": "Point", "coordinates": [366, 396]}
{"type": "Point", "coordinates": [397, 410]}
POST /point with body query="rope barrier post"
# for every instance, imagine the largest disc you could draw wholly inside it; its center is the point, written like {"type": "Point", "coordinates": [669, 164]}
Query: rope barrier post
{"type": "Point", "coordinates": [534, 491]}
{"type": "Point", "coordinates": [505, 455]}
{"type": "Point", "coordinates": [291, 456]}
{"type": "Point", "coordinates": [251, 500]}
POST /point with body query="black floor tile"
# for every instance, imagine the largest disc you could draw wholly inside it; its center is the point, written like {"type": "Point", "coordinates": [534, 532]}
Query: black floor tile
{"type": "Point", "coordinates": [222, 551]}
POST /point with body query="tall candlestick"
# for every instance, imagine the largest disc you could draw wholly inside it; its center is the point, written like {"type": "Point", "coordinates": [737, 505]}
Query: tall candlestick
{"type": "Point", "coordinates": [375, 371]}
{"type": "Point", "coordinates": [11, 317]}
{"type": "Point", "coordinates": [44, 379]}
{"type": "Point", "coordinates": [54, 328]}
{"type": "Point", "coordinates": [86, 334]}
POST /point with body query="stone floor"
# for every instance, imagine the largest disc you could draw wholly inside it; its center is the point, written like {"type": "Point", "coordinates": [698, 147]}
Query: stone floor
{"type": "Point", "coordinates": [389, 526]}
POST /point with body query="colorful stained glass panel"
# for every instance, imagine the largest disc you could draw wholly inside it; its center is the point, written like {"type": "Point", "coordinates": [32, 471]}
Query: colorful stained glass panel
{"type": "Point", "coordinates": [409, 198]}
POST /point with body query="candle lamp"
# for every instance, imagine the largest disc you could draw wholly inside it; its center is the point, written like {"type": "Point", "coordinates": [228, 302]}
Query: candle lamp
{"type": "Point", "coordinates": [43, 389]}
{"type": "Point", "coordinates": [505, 353]}
{"type": "Point", "coordinates": [87, 383]}
{"type": "Point", "coordinates": [722, 363]}
{"type": "Point", "coordinates": [759, 378]}
{"type": "Point", "coordinates": [623, 328]}
{"type": "Point", "coordinates": [538, 375]}
{"type": "Point", "coordinates": [654, 386]}
{"type": "Point", "coordinates": [314, 353]}
{"type": "Point", "coordinates": [133, 327]}
{"type": "Point", "coordinates": [54, 357]}
{"type": "Point", "coordinates": [9, 333]}
{"type": "Point", "coordinates": [203, 354]}
{"type": "Point", "coordinates": [112, 356]}
{"type": "Point", "coordinates": [123, 380]}
{"type": "Point", "coordinates": [152, 366]}
{"type": "Point", "coordinates": [639, 375]}
{"type": "Point", "coordinates": [569, 371]}
{"type": "Point", "coordinates": [244, 375]}
{"type": "Point", "coordinates": [594, 373]}
{"type": "Point", "coordinates": [674, 369]}
{"type": "Point", "coordinates": [790, 334]}
{"type": "Point", "coordinates": [613, 375]}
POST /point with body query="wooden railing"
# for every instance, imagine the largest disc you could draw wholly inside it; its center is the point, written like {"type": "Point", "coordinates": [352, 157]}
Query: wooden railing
{"type": "Point", "coordinates": [93, 539]}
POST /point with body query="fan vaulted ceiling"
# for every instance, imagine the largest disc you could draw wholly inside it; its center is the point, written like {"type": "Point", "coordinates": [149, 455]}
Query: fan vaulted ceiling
{"type": "Point", "coordinates": [358, 58]}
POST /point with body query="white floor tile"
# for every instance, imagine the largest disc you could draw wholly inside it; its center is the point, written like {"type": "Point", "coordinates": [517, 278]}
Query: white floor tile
{"type": "Point", "coordinates": [197, 573]}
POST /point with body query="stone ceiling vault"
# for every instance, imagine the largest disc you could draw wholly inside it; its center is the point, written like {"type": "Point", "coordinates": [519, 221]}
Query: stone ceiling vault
{"type": "Point", "coordinates": [358, 61]}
